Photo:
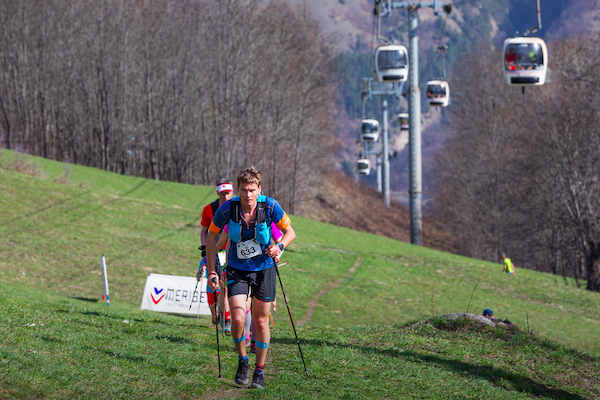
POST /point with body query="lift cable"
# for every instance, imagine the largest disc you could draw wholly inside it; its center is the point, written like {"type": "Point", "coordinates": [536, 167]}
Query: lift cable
{"type": "Point", "coordinates": [463, 2]}
{"type": "Point", "coordinates": [370, 72]}
{"type": "Point", "coordinates": [439, 46]}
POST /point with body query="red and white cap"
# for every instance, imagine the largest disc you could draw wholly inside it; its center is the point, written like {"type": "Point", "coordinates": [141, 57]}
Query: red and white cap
{"type": "Point", "coordinates": [224, 187]}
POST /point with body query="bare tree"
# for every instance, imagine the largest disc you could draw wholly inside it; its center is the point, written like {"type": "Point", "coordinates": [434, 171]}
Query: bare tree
{"type": "Point", "coordinates": [179, 90]}
{"type": "Point", "coordinates": [520, 173]}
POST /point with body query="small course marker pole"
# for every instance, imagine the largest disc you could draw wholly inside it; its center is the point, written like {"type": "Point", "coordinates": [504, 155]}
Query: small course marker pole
{"type": "Point", "coordinates": [104, 281]}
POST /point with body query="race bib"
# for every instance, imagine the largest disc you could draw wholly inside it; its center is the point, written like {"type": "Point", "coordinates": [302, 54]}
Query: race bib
{"type": "Point", "coordinates": [248, 249]}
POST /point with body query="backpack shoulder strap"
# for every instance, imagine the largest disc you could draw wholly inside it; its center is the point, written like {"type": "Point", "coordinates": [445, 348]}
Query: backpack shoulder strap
{"type": "Point", "coordinates": [261, 210]}
{"type": "Point", "coordinates": [234, 209]}
{"type": "Point", "coordinates": [214, 206]}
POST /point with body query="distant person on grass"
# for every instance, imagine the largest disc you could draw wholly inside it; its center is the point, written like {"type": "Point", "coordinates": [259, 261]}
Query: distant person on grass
{"type": "Point", "coordinates": [509, 267]}
{"type": "Point", "coordinates": [225, 192]}
{"type": "Point", "coordinates": [490, 315]}
{"type": "Point", "coordinates": [249, 264]}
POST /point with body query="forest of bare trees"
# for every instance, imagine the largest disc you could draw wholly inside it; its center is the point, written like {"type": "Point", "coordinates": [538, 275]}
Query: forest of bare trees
{"type": "Point", "coordinates": [520, 173]}
{"type": "Point", "coordinates": [182, 90]}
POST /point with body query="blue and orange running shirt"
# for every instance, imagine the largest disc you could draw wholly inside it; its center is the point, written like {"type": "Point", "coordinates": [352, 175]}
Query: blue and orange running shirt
{"type": "Point", "coordinates": [260, 262]}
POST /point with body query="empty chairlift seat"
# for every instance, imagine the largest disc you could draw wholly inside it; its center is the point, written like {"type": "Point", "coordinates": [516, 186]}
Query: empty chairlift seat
{"type": "Point", "coordinates": [391, 63]}
{"type": "Point", "coordinates": [438, 93]}
{"type": "Point", "coordinates": [369, 130]}
{"type": "Point", "coordinates": [525, 61]}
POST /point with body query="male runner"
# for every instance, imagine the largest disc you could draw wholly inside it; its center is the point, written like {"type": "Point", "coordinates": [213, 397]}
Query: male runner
{"type": "Point", "coordinates": [225, 192]}
{"type": "Point", "coordinates": [250, 264]}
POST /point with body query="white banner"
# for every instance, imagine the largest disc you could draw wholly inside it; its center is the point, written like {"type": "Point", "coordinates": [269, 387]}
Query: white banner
{"type": "Point", "coordinates": [174, 294]}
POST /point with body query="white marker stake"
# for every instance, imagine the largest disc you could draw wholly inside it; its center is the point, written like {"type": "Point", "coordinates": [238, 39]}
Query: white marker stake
{"type": "Point", "coordinates": [104, 281]}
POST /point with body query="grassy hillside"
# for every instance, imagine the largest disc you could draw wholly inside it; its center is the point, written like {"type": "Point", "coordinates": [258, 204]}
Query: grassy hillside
{"type": "Point", "coordinates": [352, 293]}
{"type": "Point", "coordinates": [56, 347]}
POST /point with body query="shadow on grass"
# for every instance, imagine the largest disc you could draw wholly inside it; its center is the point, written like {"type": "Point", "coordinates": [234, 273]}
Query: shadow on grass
{"type": "Point", "coordinates": [82, 298]}
{"type": "Point", "coordinates": [56, 205]}
{"type": "Point", "coordinates": [136, 187]}
{"type": "Point", "coordinates": [50, 339]}
{"type": "Point", "coordinates": [107, 314]}
{"type": "Point", "coordinates": [175, 339]}
{"type": "Point", "coordinates": [516, 382]}
{"type": "Point", "coordinates": [64, 207]}
{"type": "Point", "coordinates": [126, 356]}
{"type": "Point", "coordinates": [64, 202]}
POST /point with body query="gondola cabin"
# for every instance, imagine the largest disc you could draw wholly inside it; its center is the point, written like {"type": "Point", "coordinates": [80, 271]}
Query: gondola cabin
{"type": "Point", "coordinates": [438, 93]}
{"type": "Point", "coordinates": [369, 130]}
{"type": "Point", "coordinates": [363, 166]}
{"type": "Point", "coordinates": [391, 63]}
{"type": "Point", "coordinates": [403, 121]}
{"type": "Point", "coordinates": [525, 61]}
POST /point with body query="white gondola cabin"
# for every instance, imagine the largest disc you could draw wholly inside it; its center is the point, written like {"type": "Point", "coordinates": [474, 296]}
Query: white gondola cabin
{"type": "Point", "coordinates": [363, 165]}
{"type": "Point", "coordinates": [438, 93]}
{"type": "Point", "coordinates": [391, 63]}
{"type": "Point", "coordinates": [369, 130]}
{"type": "Point", "coordinates": [525, 61]}
{"type": "Point", "coordinates": [403, 121]}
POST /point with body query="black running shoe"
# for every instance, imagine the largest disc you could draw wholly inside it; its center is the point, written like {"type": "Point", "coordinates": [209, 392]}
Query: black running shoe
{"type": "Point", "coordinates": [241, 377]}
{"type": "Point", "coordinates": [258, 380]}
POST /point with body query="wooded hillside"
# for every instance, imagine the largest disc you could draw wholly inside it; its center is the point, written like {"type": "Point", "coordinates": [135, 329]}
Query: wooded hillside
{"type": "Point", "coordinates": [520, 173]}
{"type": "Point", "coordinates": [185, 91]}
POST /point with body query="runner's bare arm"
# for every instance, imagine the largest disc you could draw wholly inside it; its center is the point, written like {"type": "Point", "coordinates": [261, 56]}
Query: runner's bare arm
{"type": "Point", "coordinates": [222, 240]}
{"type": "Point", "coordinates": [203, 234]}
{"type": "Point", "coordinates": [288, 237]}
{"type": "Point", "coordinates": [211, 253]}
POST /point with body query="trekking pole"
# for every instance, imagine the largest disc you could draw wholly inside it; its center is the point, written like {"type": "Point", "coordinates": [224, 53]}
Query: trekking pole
{"type": "Point", "coordinates": [291, 319]}
{"type": "Point", "coordinates": [197, 282]}
{"type": "Point", "coordinates": [193, 294]}
{"type": "Point", "coordinates": [217, 331]}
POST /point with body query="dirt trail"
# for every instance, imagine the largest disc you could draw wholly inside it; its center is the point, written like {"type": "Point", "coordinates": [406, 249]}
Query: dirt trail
{"type": "Point", "coordinates": [332, 285]}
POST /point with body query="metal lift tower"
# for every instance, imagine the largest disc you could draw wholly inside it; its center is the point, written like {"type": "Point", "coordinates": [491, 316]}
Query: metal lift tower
{"type": "Point", "coordinates": [384, 8]}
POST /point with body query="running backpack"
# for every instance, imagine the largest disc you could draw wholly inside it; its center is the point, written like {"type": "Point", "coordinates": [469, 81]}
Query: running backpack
{"type": "Point", "coordinates": [262, 229]}
{"type": "Point", "coordinates": [214, 207]}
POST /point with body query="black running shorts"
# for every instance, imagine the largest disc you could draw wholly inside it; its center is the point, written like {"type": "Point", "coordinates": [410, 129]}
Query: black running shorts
{"type": "Point", "coordinates": [262, 283]}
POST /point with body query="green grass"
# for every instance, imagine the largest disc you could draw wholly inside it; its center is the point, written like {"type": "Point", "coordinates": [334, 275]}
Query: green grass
{"type": "Point", "coordinates": [81, 349]}
{"type": "Point", "coordinates": [358, 343]}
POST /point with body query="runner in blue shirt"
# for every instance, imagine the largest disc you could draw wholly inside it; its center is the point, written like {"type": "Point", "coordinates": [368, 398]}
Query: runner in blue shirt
{"type": "Point", "coordinates": [249, 264]}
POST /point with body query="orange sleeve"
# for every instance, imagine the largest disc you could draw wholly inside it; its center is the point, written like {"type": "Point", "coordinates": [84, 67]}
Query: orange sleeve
{"type": "Point", "coordinates": [284, 222]}
{"type": "Point", "coordinates": [214, 228]}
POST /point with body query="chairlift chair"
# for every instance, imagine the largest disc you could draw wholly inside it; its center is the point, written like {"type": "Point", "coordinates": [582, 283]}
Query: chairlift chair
{"type": "Point", "coordinates": [391, 63]}
{"type": "Point", "coordinates": [363, 165]}
{"type": "Point", "coordinates": [438, 93]}
{"type": "Point", "coordinates": [525, 61]}
{"type": "Point", "coordinates": [403, 121]}
{"type": "Point", "coordinates": [369, 130]}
